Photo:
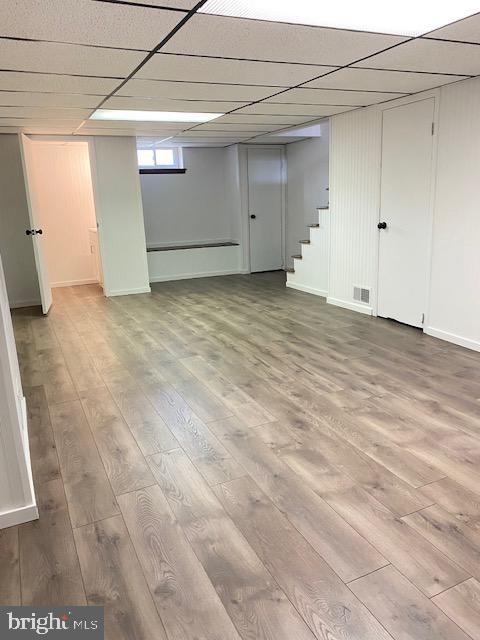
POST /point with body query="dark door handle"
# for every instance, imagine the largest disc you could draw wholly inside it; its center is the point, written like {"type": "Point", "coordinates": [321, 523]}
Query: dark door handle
{"type": "Point", "coordinates": [253, 216]}
{"type": "Point", "coordinates": [34, 232]}
{"type": "Point", "coordinates": [382, 225]}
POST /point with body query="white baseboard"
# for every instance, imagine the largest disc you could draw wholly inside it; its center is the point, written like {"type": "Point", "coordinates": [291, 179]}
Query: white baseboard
{"type": "Point", "coordinates": [352, 306]}
{"type": "Point", "coordinates": [18, 516]}
{"type": "Point", "coordinates": [189, 276]}
{"type": "Point", "coordinates": [451, 337]}
{"type": "Point", "coordinates": [19, 304]}
{"type": "Point", "coordinates": [73, 283]}
{"type": "Point", "coordinates": [127, 292]}
{"type": "Point", "coordinates": [302, 287]}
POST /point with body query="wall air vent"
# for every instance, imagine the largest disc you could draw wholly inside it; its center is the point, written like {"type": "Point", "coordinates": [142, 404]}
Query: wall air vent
{"type": "Point", "coordinates": [360, 294]}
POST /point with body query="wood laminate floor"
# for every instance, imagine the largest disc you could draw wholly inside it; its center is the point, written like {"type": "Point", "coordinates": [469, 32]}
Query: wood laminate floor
{"type": "Point", "coordinates": [229, 459]}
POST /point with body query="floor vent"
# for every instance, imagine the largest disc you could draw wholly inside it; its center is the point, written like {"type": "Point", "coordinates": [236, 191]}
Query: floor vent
{"type": "Point", "coordinates": [361, 295]}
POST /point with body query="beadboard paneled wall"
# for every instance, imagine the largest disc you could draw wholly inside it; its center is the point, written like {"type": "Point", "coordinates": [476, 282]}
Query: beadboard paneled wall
{"type": "Point", "coordinates": [453, 307]}
{"type": "Point", "coordinates": [355, 152]}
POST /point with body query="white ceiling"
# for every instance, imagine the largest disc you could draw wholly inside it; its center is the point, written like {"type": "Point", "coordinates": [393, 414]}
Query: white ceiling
{"type": "Point", "coordinates": [61, 59]}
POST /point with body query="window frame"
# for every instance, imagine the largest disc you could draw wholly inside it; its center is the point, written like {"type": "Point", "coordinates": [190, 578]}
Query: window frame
{"type": "Point", "coordinates": [175, 167]}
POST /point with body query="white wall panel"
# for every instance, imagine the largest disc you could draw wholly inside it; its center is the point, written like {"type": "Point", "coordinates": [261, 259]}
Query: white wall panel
{"type": "Point", "coordinates": [118, 203]}
{"type": "Point", "coordinates": [190, 207]}
{"type": "Point", "coordinates": [454, 312]}
{"type": "Point", "coordinates": [354, 203]}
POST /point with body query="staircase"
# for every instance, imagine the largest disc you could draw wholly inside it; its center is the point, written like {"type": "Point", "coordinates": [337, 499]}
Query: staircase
{"type": "Point", "coordinates": [310, 271]}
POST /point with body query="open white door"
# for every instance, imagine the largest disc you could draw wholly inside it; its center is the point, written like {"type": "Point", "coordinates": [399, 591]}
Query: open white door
{"type": "Point", "coordinates": [35, 230]}
{"type": "Point", "coordinates": [405, 211]}
{"type": "Point", "coordinates": [265, 189]}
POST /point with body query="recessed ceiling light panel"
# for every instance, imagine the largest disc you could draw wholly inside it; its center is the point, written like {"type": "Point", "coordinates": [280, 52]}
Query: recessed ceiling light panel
{"type": "Point", "coordinates": [153, 116]}
{"type": "Point", "coordinates": [408, 18]}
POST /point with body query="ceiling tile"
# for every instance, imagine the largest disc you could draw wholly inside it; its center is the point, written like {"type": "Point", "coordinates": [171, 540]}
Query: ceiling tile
{"type": "Point", "coordinates": [192, 91]}
{"type": "Point", "coordinates": [44, 112]}
{"type": "Point", "coordinates": [238, 118]}
{"type": "Point", "coordinates": [23, 81]}
{"type": "Point", "coordinates": [178, 67]}
{"type": "Point", "coordinates": [334, 97]}
{"type": "Point", "coordinates": [174, 4]}
{"type": "Point", "coordinates": [429, 55]}
{"type": "Point", "coordinates": [45, 124]}
{"type": "Point", "coordinates": [164, 104]}
{"type": "Point", "coordinates": [86, 22]}
{"type": "Point", "coordinates": [194, 133]}
{"type": "Point", "coordinates": [261, 40]}
{"type": "Point", "coordinates": [380, 80]}
{"type": "Point", "coordinates": [275, 140]}
{"type": "Point", "coordinates": [131, 124]}
{"type": "Point", "coordinates": [24, 98]}
{"type": "Point", "coordinates": [466, 30]}
{"type": "Point", "coordinates": [293, 109]}
{"type": "Point", "coordinates": [89, 131]}
{"type": "Point", "coordinates": [68, 59]}
{"type": "Point", "coordinates": [254, 128]}
{"type": "Point", "coordinates": [195, 142]}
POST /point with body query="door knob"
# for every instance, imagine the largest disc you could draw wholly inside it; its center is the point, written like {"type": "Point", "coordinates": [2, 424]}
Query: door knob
{"type": "Point", "coordinates": [34, 232]}
{"type": "Point", "coordinates": [253, 216]}
{"type": "Point", "coordinates": [382, 225]}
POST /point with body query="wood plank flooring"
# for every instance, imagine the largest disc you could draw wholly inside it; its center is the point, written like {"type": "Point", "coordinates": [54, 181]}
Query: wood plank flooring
{"type": "Point", "coordinates": [228, 459]}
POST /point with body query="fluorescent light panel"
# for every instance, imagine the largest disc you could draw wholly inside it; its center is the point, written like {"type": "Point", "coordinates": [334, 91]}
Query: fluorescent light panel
{"type": "Point", "coordinates": [408, 17]}
{"type": "Point", "coordinates": [153, 116]}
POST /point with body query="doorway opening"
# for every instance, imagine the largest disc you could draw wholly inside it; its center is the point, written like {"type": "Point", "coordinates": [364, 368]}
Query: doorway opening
{"type": "Point", "coordinates": [62, 214]}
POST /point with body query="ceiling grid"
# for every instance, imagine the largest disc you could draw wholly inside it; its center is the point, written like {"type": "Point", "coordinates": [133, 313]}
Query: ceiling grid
{"type": "Point", "coordinates": [60, 60]}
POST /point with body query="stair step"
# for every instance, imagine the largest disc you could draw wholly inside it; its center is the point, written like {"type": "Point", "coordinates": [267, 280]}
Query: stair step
{"type": "Point", "coordinates": [298, 256]}
{"type": "Point", "coordinates": [315, 225]}
{"type": "Point", "coordinates": [290, 270]}
{"type": "Point", "coordinates": [304, 241]}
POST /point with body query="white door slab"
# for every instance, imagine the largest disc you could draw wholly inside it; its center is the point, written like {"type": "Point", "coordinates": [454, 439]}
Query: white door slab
{"type": "Point", "coordinates": [265, 193]}
{"type": "Point", "coordinates": [405, 211]}
{"type": "Point", "coordinates": [28, 170]}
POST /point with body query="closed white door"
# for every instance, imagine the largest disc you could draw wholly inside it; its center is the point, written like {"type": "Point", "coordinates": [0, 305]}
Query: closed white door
{"type": "Point", "coordinates": [265, 193]}
{"type": "Point", "coordinates": [35, 231]}
{"type": "Point", "coordinates": [405, 211]}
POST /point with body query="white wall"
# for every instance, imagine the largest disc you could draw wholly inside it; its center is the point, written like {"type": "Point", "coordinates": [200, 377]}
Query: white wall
{"type": "Point", "coordinates": [193, 207]}
{"type": "Point", "coordinates": [202, 205]}
{"type": "Point", "coordinates": [453, 310]}
{"type": "Point", "coordinates": [65, 208]}
{"type": "Point", "coordinates": [120, 215]}
{"type": "Point", "coordinates": [15, 247]}
{"type": "Point", "coordinates": [307, 181]}
{"type": "Point", "coordinates": [17, 499]}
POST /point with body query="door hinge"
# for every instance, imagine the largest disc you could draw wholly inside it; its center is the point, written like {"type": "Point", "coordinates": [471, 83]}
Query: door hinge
{"type": "Point", "coordinates": [433, 128]}
{"type": "Point", "coordinates": [423, 318]}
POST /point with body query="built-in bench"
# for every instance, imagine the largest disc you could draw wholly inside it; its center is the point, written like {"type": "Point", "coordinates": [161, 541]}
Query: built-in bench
{"type": "Point", "coordinates": [204, 245]}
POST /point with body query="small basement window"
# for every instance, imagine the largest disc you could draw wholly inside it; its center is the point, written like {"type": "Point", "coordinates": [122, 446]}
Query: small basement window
{"type": "Point", "coordinates": [154, 159]}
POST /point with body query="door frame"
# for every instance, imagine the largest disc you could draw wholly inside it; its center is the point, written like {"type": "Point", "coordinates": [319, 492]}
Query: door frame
{"type": "Point", "coordinates": [243, 163]}
{"type": "Point", "coordinates": [425, 95]}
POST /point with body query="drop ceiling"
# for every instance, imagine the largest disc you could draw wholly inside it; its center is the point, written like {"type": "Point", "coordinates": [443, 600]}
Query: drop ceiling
{"type": "Point", "coordinates": [62, 59]}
